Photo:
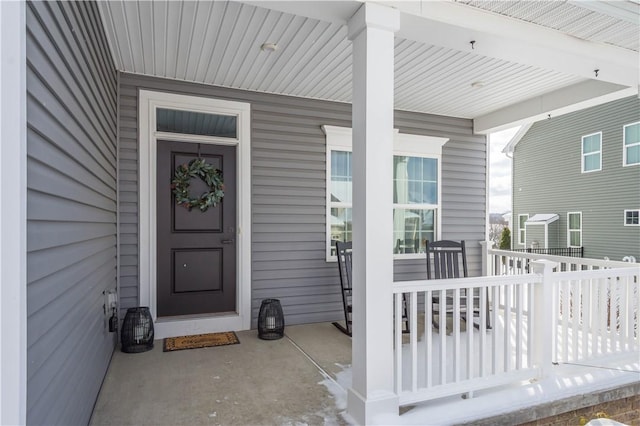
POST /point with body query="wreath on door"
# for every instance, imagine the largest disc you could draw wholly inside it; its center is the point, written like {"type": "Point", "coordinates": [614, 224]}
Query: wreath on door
{"type": "Point", "coordinates": [197, 168]}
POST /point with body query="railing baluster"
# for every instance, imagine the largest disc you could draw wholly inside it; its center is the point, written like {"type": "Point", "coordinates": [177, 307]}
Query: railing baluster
{"type": "Point", "coordinates": [585, 303]}
{"type": "Point", "coordinates": [428, 328]}
{"type": "Point", "coordinates": [531, 325]}
{"type": "Point", "coordinates": [602, 317]}
{"type": "Point", "coordinates": [398, 341]}
{"type": "Point", "coordinates": [494, 335]}
{"type": "Point", "coordinates": [519, 326]}
{"type": "Point", "coordinates": [575, 318]}
{"type": "Point", "coordinates": [469, 328]}
{"type": "Point", "coordinates": [442, 332]}
{"type": "Point", "coordinates": [507, 328]}
{"type": "Point", "coordinates": [456, 335]}
{"type": "Point", "coordinates": [414, 341]}
{"type": "Point", "coordinates": [564, 306]}
{"type": "Point", "coordinates": [483, 330]}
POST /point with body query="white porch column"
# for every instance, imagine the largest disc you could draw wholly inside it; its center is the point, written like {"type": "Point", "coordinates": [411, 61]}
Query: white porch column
{"type": "Point", "coordinates": [13, 214]}
{"type": "Point", "coordinates": [372, 31]}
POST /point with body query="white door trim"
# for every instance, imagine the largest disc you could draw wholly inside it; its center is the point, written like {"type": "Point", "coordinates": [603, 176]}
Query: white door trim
{"type": "Point", "coordinates": [148, 102]}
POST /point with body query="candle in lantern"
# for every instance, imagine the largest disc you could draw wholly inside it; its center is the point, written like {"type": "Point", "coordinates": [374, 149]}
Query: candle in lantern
{"type": "Point", "coordinates": [271, 322]}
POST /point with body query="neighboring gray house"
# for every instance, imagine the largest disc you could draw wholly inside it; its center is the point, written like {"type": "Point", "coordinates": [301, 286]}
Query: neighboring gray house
{"type": "Point", "coordinates": [91, 93]}
{"type": "Point", "coordinates": [576, 181]}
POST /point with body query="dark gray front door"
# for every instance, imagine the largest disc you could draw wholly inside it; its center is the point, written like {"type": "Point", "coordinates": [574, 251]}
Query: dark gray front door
{"type": "Point", "coordinates": [196, 251]}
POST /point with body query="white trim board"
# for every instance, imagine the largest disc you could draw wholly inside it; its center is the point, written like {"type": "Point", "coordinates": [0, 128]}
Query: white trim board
{"type": "Point", "coordinates": [149, 101]}
{"type": "Point", "coordinates": [13, 214]}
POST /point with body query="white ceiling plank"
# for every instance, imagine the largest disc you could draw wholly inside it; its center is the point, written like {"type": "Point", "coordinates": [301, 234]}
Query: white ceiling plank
{"type": "Point", "coordinates": [249, 71]}
{"type": "Point", "coordinates": [454, 26]}
{"type": "Point", "coordinates": [217, 13]}
{"type": "Point", "coordinates": [337, 42]}
{"type": "Point", "coordinates": [561, 101]}
{"type": "Point", "coordinates": [243, 43]}
{"type": "Point", "coordinates": [186, 35]}
{"type": "Point", "coordinates": [327, 68]}
{"type": "Point", "coordinates": [227, 28]}
{"type": "Point", "coordinates": [197, 43]}
{"type": "Point", "coordinates": [145, 18]}
{"type": "Point", "coordinates": [334, 11]}
{"type": "Point", "coordinates": [159, 12]}
{"type": "Point", "coordinates": [317, 37]}
{"type": "Point", "coordinates": [232, 49]}
{"type": "Point", "coordinates": [172, 39]}
{"type": "Point", "coordinates": [132, 24]}
{"type": "Point", "coordinates": [269, 59]}
{"type": "Point", "coordinates": [120, 32]}
{"type": "Point", "coordinates": [109, 26]}
{"type": "Point", "coordinates": [249, 48]}
{"type": "Point", "coordinates": [289, 44]}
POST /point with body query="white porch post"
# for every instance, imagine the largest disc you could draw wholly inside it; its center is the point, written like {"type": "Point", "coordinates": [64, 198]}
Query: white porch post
{"type": "Point", "coordinates": [487, 269]}
{"type": "Point", "coordinates": [543, 316]}
{"type": "Point", "coordinates": [13, 214]}
{"type": "Point", "coordinates": [372, 31]}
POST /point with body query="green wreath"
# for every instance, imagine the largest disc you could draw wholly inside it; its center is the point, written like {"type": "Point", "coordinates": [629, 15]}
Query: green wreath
{"type": "Point", "coordinates": [209, 175]}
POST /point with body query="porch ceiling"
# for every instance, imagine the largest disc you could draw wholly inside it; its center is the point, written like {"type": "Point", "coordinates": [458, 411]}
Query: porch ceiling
{"type": "Point", "coordinates": [529, 59]}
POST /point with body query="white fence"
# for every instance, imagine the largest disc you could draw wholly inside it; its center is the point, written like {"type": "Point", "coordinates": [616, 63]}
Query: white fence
{"type": "Point", "coordinates": [535, 317]}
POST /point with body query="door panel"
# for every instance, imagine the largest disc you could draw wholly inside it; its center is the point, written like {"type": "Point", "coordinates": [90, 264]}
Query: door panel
{"type": "Point", "coordinates": [196, 251]}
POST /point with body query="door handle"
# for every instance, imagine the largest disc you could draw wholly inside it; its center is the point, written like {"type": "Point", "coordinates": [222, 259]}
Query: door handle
{"type": "Point", "coordinates": [229, 241]}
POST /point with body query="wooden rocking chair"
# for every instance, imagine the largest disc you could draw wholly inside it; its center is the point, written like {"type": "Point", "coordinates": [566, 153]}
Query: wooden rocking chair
{"type": "Point", "coordinates": [344, 251]}
{"type": "Point", "coordinates": [448, 259]}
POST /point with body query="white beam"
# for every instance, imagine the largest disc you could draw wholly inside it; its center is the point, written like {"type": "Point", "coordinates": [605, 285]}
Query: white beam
{"type": "Point", "coordinates": [561, 101]}
{"type": "Point", "coordinates": [13, 215]}
{"type": "Point", "coordinates": [454, 25]}
{"type": "Point", "coordinates": [372, 393]}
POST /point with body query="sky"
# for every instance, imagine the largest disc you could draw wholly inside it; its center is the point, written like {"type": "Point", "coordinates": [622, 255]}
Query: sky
{"type": "Point", "coordinates": [500, 172]}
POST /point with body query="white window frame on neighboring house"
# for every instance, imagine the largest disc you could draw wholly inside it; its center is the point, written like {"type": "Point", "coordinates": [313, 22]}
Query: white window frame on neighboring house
{"type": "Point", "coordinates": [625, 146]}
{"type": "Point", "coordinates": [626, 218]}
{"type": "Point", "coordinates": [522, 228]}
{"type": "Point", "coordinates": [340, 139]}
{"type": "Point", "coordinates": [584, 155]}
{"type": "Point", "coordinates": [569, 230]}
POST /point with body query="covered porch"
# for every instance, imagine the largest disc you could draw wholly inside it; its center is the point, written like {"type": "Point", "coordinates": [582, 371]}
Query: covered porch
{"type": "Point", "coordinates": [538, 359]}
{"type": "Point", "coordinates": [79, 184]}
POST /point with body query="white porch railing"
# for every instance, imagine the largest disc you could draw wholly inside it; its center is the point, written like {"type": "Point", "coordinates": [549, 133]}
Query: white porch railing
{"type": "Point", "coordinates": [596, 313]}
{"type": "Point", "coordinates": [584, 314]}
{"type": "Point", "coordinates": [505, 262]}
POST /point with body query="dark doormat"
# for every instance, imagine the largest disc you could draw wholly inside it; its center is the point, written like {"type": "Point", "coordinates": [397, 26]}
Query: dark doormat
{"type": "Point", "coordinates": [200, 341]}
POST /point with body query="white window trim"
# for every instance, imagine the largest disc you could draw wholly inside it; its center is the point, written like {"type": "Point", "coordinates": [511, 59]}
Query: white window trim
{"type": "Point", "coordinates": [340, 139]}
{"type": "Point", "coordinates": [590, 153]}
{"type": "Point", "coordinates": [148, 103]}
{"type": "Point", "coordinates": [624, 217]}
{"type": "Point", "coordinates": [522, 236]}
{"type": "Point", "coordinates": [569, 230]}
{"type": "Point", "coordinates": [625, 146]}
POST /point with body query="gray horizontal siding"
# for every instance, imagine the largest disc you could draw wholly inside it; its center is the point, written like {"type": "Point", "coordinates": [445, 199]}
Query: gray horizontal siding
{"type": "Point", "coordinates": [547, 178]}
{"type": "Point", "coordinates": [71, 209]}
{"type": "Point", "coordinates": [288, 194]}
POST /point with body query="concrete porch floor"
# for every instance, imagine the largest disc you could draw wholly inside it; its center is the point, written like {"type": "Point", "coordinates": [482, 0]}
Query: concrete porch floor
{"type": "Point", "coordinates": [290, 381]}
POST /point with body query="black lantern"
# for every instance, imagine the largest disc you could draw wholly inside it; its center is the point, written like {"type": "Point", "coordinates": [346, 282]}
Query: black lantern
{"type": "Point", "coordinates": [137, 330]}
{"type": "Point", "coordinates": [270, 320]}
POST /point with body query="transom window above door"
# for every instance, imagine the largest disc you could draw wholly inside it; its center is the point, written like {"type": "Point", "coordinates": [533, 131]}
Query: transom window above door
{"type": "Point", "coordinates": [416, 191]}
{"type": "Point", "coordinates": [196, 123]}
